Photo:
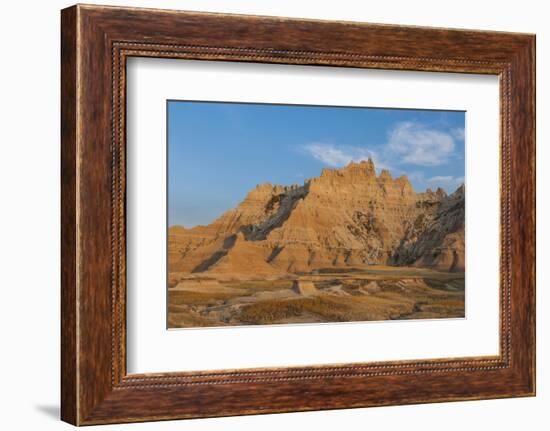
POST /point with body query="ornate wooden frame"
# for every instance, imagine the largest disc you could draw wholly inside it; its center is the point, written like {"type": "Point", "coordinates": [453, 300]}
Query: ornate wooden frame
{"type": "Point", "coordinates": [96, 41]}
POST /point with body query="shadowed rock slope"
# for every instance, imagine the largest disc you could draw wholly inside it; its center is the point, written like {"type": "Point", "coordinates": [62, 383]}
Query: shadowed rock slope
{"type": "Point", "coordinates": [347, 217]}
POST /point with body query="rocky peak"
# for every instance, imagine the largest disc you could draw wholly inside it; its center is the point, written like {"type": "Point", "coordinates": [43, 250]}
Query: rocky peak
{"type": "Point", "coordinates": [368, 165]}
{"type": "Point", "coordinates": [261, 190]}
{"type": "Point", "coordinates": [405, 184]}
{"type": "Point", "coordinates": [385, 175]}
{"type": "Point", "coordinates": [430, 195]}
{"type": "Point", "coordinates": [440, 193]}
{"type": "Point", "coordinates": [344, 218]}
{"type": "Point", "coordinates": [364, 168]}
{"type": "Point", "coordinates": [459, 192]}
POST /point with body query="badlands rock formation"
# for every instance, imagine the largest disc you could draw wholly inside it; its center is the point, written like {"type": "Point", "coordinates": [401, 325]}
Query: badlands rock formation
{"type": "Point", "coordinates": [345, 218]}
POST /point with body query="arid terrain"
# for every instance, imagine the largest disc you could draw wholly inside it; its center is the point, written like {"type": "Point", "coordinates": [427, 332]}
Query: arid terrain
{"type": "Point", "coordinates": [377, 293]}
{"type": "Point", "coordinates": [348, 245]}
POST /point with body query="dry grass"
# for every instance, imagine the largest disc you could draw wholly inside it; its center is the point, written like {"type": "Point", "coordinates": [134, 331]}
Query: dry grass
{"type": "Point", "coordinates": [263, 285]}
{"type": "Point", "coordinates": [327, 308]}
{"type": "Point", "coordinates": [404, 293]}
{"type": "Point", "coordinates": [187, 319]}
{"type": "Point", "coordinates": [199, 298]}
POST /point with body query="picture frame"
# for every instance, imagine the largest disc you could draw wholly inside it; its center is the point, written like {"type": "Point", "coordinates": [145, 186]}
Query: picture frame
{"type": "Point", "coordinates": [96, 42]}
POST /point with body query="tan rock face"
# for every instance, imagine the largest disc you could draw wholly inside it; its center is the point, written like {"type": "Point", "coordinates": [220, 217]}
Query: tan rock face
{"type": "Point", "coordinates": [346, 217]}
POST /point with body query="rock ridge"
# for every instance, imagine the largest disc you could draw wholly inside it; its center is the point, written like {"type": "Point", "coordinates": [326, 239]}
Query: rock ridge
{"type": "Point", "coordinates": [347, 217]}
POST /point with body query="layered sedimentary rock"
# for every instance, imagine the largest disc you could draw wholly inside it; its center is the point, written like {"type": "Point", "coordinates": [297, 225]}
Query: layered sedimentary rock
{"type": "Point", "coordinates": [436, 238]}
{"type": "Point", "coordinates": [344, 218]}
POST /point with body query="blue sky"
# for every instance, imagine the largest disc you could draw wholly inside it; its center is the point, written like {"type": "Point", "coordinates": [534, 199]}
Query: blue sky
{"type": "Point", "coordinates": [218, 152]}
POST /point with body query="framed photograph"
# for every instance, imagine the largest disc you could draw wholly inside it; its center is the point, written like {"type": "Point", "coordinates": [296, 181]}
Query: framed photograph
{"type": "Point", "coordinates": [340, 240]}
{"type": "Point", "coordinates": [322, 214]}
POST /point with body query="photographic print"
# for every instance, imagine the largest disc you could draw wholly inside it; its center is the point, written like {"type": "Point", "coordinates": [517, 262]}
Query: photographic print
{"type": "Point", "coordinates": [293, 214]}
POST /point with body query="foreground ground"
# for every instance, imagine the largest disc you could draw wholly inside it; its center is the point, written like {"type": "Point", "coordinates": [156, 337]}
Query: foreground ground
{"type": "Point", "coordinates": [376, 293]}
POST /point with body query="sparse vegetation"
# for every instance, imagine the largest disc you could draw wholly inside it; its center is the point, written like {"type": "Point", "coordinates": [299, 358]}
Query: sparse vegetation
{"type": "Point", "coordinates": [378, 293]}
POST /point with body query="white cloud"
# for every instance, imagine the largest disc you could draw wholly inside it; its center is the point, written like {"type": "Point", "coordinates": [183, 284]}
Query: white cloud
{"type": "Point", "coordinates": [446, 179]}
{"type": "Point", "coordinates": [337, 156]}
{"type": "Point", "coordinates": [458, 133]}
{"type": "Point", "coordinates": [448, 182]}
{"type": "Point", "coordinates": [416, 144]}
{"type": "Point", "coordinates": [409, 143]}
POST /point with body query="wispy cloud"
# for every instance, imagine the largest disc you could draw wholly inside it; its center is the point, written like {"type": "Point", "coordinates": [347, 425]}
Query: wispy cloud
{"type": "Point", "coordinates": [458, 133]}
{"type": "Point", "coordinates": [410, 143]}
{"type": "Point", "coordinates": [446, 179]}
{"type": "Point", "coordinates": [337, 155]}
{"type": "Point", "coordinates": [448, 182]}
{"type": "Point", "coordinates": [416, 144]}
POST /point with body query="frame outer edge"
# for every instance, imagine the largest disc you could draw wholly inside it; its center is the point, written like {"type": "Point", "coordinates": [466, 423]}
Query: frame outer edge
{"type": "Point", "coordinates": [523, 216]}
{"type": "Point", "coordinates": [532, 101]}
{"type": "Point", "coordinates": [69, 196]}
{"type": "Point", "coordinates": [528, 61]}
{"type": "Point", "coordinates": [533, 54]}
